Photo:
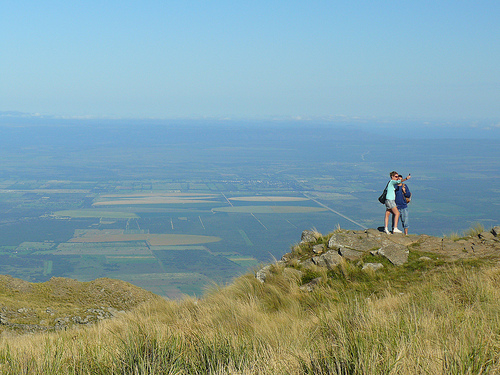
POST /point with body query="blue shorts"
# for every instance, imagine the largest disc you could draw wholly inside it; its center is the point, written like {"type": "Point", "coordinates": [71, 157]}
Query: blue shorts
{"type": "Point", "coordinates": [405, 219]}
{"type": "Point", "coordinates": [390, 204]}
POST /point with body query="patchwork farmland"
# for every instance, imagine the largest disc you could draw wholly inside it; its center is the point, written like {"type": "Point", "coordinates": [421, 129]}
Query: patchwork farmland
{"type": "Point", "coordinates": [169, 242]}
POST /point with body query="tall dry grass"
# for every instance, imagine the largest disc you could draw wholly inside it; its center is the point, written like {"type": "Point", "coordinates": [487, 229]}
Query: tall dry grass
{"type": "Point", "coordinates": [446, 323]}
{"type": "Point", "coordinates": [473, 231]}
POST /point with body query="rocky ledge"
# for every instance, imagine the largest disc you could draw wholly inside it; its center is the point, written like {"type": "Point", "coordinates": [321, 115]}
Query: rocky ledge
{"type": "Point", "coordinates": [315, 250]}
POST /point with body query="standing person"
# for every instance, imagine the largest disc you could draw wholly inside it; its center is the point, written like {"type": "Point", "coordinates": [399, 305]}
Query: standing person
{"type": "Point", "coordinates": [403, 196]}
{"type": "Point", "coordinates": [390, 202]}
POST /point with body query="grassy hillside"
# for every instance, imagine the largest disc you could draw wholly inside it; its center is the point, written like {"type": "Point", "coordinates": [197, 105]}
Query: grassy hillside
{"type": "Point", "coordinates": [423, 317]}
{"type": "Point", "coordinates": [61, 303]}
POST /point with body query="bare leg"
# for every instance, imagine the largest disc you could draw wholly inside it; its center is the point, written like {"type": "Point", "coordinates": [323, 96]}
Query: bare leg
{"type": "Point", "coordinates": [387, 214]}
{"type": "Point", "coordinates": [395, 211]}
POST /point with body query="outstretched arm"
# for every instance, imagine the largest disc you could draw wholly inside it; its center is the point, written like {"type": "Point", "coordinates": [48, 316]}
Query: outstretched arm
{"type": "Point", "coordinates": [407, 178]}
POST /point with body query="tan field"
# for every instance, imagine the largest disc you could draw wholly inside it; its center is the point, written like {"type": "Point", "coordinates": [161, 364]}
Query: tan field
{"type": "Point", "coordinates": [268, 199]}
{"type": "Point", "coordinates": [150, 200]}
{"type": "Point", "coordinates": [270, 209]}
{"type": "Point", "coordinates": [92, 236]}
{"type": "Point", "coordinates": [159, 195]}
{"type": "Point", "coordinates": [153, 198]}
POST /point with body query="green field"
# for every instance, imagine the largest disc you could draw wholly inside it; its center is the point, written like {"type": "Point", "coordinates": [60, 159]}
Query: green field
{"type": "Point", "coordinates": [94, 213]}
{"type": "Point", "coordinates": [270, 209]}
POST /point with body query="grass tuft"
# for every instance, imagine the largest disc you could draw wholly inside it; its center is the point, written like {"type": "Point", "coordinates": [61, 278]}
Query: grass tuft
{"type": "Point", "coordinates": [474, 230]}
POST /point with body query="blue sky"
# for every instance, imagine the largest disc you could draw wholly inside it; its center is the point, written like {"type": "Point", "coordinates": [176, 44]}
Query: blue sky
{"type": "Point", "coordinates": [251, 59]}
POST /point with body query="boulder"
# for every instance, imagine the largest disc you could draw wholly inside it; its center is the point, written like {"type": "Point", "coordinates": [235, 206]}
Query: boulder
{"type": "Point", "coordinates": [287, 257]}
{"type": "Point", "coordinates": [359, 241]}
{"type": "Point", "coordinates": [309, 236]}
{"type": "Point", "coordinates": [318, 249]}
{"type": "Point", "coordinates": [307, 263]}
{"type": "Point", "coordinates": [350, 254]}
{"type": "Point", "coordinates": [3, 319]}
{"type": "Point", "coordinates": [487, 236]}
{"type": "Point", "coordinates": [397, 254]}
{"type": "Point", "coordinates": [372, 266]}
{"type": "Point", "coordinates": [373, 233]}
{"type": "Point", "coordinates": [496, 231]}
{"type": "Point", "coordinates": [263, 273]}
{"type": "Point", "coordinates": [329, 260]}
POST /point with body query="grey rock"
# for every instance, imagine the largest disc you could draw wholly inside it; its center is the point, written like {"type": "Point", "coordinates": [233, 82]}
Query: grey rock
{"type": "Point", "coordinates": [496, 231]}
{"type": "Point", "coordinates": [61, 323]}
{"type": "Point", "coordinates": [3, 319]}
{"type": "Point", "coordinates": [329, 260]}
{"type": "Point", "coordinates": [487, 236]}
{"type": "Point", "coordinates": [350, 254]}
{"type": "Point", "coordinates": [354, 240]}
{"type": "Point", "coordinates": [332, 258]}
{"type": "Point", "coordinates": [374, 252]}
{"type": "Point", "coordinates": [317, 261]}
{"type": "Point", "coordinates": [372, 233]}
{"type": "Point", "coordinates": [309, 236]}
{"type": "Point", "coordinates": [318, 249]}
{"type": "Point", "coordinates": [80, 320]}
{"type": "Point", "coordinates": [397, 254]}
{"type": "Point", "coordinates": [263, 273]}
{"type": "Point", "coordinates": [307, 263]}
{"type": "Point", "coordinates": [372, 266]}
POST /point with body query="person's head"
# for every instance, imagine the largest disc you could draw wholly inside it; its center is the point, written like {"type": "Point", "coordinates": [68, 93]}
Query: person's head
{"type": "Point", "coordinates": [394, 175]}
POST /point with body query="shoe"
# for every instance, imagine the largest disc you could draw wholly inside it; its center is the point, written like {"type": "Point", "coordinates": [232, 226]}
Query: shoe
{"type": "Point", "coordinates": [386, 231]}
{"type": "Point", "coordinates": [396, 230]}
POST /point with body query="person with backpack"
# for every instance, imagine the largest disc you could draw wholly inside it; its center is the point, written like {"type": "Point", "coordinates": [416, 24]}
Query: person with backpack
{"type": "Point", "coordinates": [403, 197]}
{"type": "Point", "coordinates": [390, 202]}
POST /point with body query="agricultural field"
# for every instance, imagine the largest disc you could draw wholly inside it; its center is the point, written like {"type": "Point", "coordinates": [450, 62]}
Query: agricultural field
{"type": "Point", "coordinates": [169, 243]}
{"type": "Point", "coordinates": [175, 210]}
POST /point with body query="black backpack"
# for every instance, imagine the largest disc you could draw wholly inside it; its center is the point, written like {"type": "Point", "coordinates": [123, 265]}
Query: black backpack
{"type": "Point", "coordinates": [381, 199]}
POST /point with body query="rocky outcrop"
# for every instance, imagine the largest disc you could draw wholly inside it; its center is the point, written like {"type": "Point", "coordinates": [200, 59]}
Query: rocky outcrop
{"type": "Point", "coordinates": [309, 236]}
{"type": "Point", "coordinates": [315, 250]}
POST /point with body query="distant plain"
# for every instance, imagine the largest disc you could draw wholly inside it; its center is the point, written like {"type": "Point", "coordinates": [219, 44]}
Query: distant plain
{"type": "Point", "coordinates": [175, 206]}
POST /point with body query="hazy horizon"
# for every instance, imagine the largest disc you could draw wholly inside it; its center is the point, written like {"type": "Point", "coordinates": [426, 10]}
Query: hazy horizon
{"type": "Point", "coordinates": [402, 128]}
